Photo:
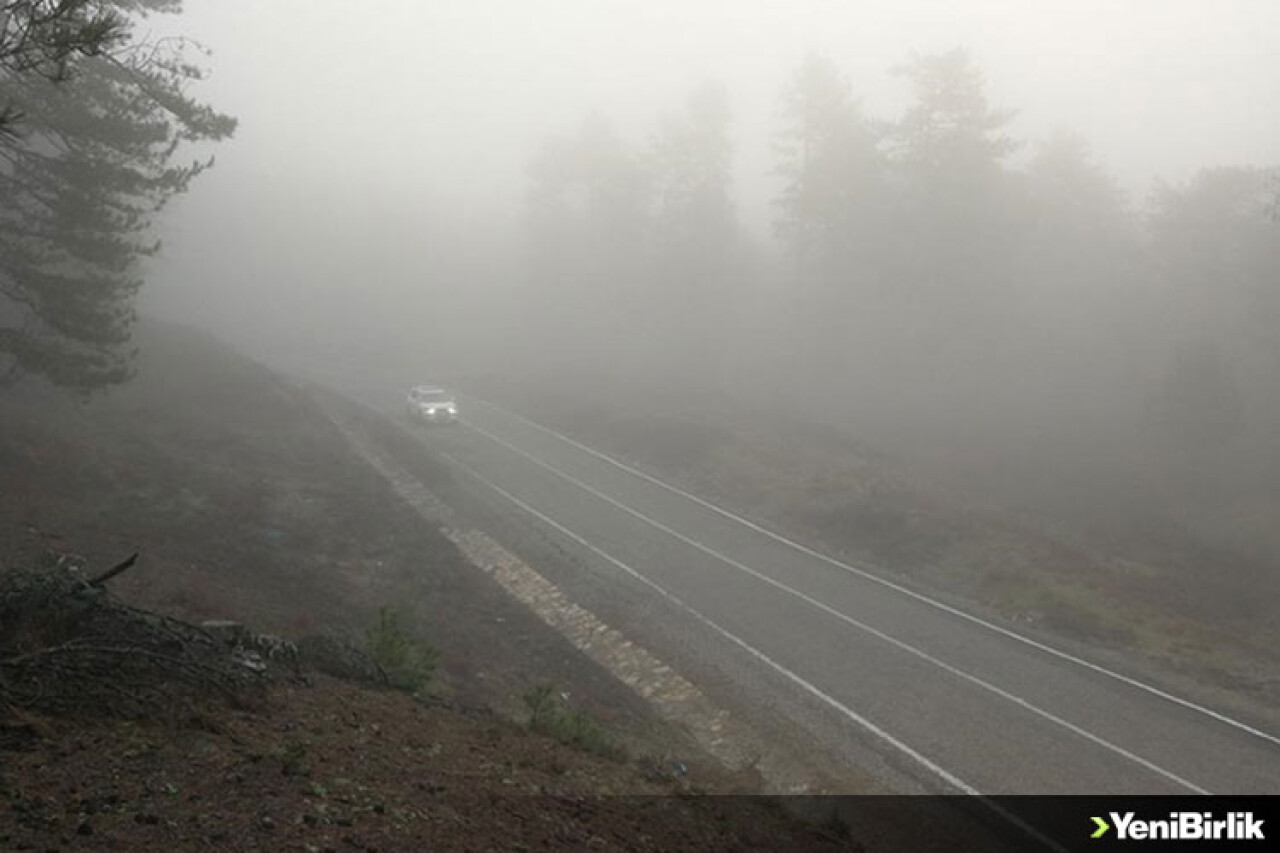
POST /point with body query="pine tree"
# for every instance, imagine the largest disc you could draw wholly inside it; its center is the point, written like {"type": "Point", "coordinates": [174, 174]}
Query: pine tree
{"type": "Point", "coordinates": [93, 122]}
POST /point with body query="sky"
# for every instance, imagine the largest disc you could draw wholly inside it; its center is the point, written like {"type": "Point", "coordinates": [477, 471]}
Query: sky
{"type": "Point", "coordinates": [375, 124]}
{"type": "Point", "coordinates": [456, 92]}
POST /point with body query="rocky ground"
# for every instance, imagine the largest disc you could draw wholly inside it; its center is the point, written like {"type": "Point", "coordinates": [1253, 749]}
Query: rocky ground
{"type": "Point", "coordinates": [328, 765]}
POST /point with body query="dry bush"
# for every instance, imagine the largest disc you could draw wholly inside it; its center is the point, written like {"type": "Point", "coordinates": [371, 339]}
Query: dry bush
{"type": "Point", "coordinates": [67, 647]}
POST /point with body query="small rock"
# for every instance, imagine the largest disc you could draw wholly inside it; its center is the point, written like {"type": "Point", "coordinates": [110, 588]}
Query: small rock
{"type": "Point", "coordinates": [267, 822]}
{"type": "Point", "coordinates": [84, 828]}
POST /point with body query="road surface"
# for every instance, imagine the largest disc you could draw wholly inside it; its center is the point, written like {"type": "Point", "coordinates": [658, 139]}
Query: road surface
{"type": "Point", "coordinates": [940, 700]}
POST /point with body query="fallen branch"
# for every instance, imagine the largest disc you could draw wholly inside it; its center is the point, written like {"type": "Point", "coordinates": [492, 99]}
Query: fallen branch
{"type": "Point", "coordinates": [67, 647]}
{"type": "Point", "coordinates": [114, 570]}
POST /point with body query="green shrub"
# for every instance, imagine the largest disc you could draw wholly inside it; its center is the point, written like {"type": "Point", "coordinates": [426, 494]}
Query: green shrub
{"type": "Point", "coordinates": [552, 716]}
{"type": "Point", "coordinates": [408, 663]}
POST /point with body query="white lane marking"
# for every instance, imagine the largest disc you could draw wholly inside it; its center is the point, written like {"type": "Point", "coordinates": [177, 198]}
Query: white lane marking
{"type": "Point", "coordinates": [672, 695]}
{"type": "Point", "coordinates": [849, 620]}
{"type": "Point", "coordinates": [871, 576]}
{"type": "Point", "coordinates": [945, 775]}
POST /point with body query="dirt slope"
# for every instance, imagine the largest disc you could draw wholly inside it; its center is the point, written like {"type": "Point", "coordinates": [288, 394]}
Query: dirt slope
{"type": "Point", "coordinates": [330, 766]}
{"type": "Point", "coordinates": [246, 504]}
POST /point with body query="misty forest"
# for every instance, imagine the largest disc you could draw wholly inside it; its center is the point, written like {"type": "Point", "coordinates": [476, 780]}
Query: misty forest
{"type": "Point", "coordinates": [938, 286]}
{"type": "Point", "coordinates": [807, 298]}
{"type": "Point", "coordinates": [992, 311]}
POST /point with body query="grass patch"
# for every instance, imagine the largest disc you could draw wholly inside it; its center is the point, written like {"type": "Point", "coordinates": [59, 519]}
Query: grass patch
{"type": "Point", "coordinates": [551, 715]}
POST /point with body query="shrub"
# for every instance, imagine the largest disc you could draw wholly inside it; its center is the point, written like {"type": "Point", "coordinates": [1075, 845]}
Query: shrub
{"type": "Point", "coordinates": [551, 715]}
{"type": "Point", "coordinates": [408, 663]}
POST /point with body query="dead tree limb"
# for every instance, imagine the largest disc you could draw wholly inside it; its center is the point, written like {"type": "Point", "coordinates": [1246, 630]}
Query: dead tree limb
{"type": "Point", "coordinates": [114, 570]}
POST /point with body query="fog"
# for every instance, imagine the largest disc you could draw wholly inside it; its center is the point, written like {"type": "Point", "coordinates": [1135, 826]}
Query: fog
{"type": "Point", "coordinates": [1027, 247]}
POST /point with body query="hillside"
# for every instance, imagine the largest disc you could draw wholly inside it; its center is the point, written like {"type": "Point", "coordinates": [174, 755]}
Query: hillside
{"type": "Point", "coordinates": [246, 504]}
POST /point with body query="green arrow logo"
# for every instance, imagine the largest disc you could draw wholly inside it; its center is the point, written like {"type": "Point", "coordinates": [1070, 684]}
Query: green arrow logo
{"type": "Point", "coordinates": [1103, 826]}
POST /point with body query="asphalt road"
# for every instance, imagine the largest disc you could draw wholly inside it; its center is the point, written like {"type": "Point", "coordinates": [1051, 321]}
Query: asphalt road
{"type": "Point", "coordinates": [933, 695]}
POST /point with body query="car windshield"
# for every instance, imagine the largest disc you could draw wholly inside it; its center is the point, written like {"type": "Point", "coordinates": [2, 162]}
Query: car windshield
{"type": "Point", "coordinates": [433, 397]}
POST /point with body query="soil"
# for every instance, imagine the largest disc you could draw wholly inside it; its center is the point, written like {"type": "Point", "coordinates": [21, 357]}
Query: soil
{"type": "Point", "coordinates": [332, 766]}
{"type": "Point", "coordinates": [246, 504]}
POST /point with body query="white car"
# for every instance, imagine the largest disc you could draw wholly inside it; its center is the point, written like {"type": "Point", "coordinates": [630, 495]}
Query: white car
{"type": "Point", "coordinates": [433, 405]}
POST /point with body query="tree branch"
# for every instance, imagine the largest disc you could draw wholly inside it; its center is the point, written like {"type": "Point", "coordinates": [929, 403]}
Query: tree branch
{"type": "Point", "coordinates": [114, 570]}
